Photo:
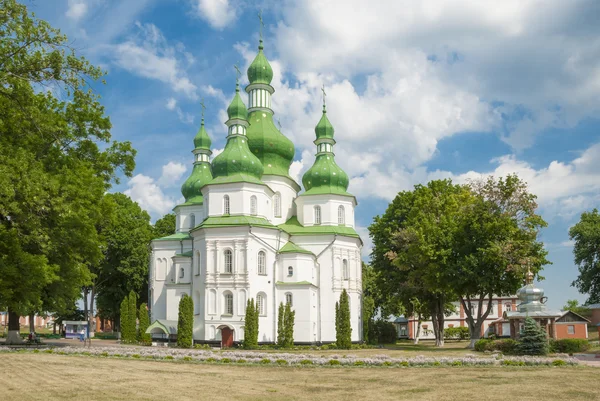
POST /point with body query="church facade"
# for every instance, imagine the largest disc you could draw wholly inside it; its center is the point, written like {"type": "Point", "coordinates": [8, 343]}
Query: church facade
{"type": "Point", "coordinates": [247, 230]}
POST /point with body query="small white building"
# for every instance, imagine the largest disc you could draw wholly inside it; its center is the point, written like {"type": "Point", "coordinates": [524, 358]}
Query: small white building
{"type": "Point", "coordinates": [245, 231]}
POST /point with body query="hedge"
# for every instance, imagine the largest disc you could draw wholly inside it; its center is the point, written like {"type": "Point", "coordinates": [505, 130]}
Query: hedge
{"type": "Point", "coordinates": [569, 345]}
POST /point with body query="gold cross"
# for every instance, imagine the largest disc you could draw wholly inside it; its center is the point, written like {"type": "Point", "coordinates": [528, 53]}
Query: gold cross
{"type": "Point", "coordinates": [203, 106]}
{"type": "Point", "coordinates": [262, 24]}
{"type": "Point", "coordinates": [238, 73]}
{"type": "Point", "coordinates": [324, 94]}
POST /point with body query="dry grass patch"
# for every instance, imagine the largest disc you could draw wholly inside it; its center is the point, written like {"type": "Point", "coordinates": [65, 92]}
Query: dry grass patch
{"type": "Point", "coordinates": [55, 377]}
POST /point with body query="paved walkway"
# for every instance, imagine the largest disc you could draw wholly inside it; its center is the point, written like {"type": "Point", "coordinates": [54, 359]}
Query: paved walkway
{"type": "Point", "coordinates": [589, 359]}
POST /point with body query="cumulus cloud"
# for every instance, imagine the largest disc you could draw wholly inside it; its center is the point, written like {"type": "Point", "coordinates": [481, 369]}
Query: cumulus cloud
{"type": "Point", "coordinates": [145, 191]}
{"type": "Point", "coordinates": [183, 116]}
{"type": "Point", "coordinates": [149, 55]}
{"type": "Point", "coordinates": [77, 9]}
{"type": "Point", "coordinates": [171, 174]}
{"type": "Point", "coordinates": [218, 13]}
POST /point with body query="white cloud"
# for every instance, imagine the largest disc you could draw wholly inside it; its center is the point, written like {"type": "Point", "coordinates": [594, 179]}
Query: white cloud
{"type": "Point", "coordinates": [144, 191]}
{"type": "Point", "coordinates": [215, 153]}
{"type": "Point", "coordinates": [171, 103]}
{"type": "Point", "coordinates": [77, 9]}
{"type": "Point", "coordinates": [171, 174]}
{"type": "Point", "coordinates": [149, 55]}
{"type": "Point", "coordinates": [218, 13]}
{"type": "Point", "coordinates": [183, 117]}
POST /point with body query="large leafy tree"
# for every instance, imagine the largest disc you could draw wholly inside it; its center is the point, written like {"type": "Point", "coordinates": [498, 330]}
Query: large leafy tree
{"type": "Point", "coordinates": [586, 234]}
{"type": "Point", "coordinates": [164, 226]}
{"type": "Point", "coordinates": [53, 172]}
{"type": "Point", "coordinates": [497, 241]}
{"type": "Point", "coordinates": [124, 266]}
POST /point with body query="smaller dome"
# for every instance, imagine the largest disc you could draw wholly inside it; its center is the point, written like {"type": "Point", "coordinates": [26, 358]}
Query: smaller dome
{"type": "Point", "coordinates": [260, 71]}
{"type": "Point", "coordinates": [237, 108]}
{"type": "Point", "coordinates": [201, 175]}
{"type": "Point", "coordinates": [237, 160]}
{"type": "Point", "coordinates": [202, 140]}
{"type": "Point", "coordinates": [324, 129]}
{"type": "Point", "coordinates": [325, 176]}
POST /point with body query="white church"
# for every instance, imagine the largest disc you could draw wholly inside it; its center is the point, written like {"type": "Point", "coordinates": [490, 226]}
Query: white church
{"type": "Point", "coordinates": [247, 230]}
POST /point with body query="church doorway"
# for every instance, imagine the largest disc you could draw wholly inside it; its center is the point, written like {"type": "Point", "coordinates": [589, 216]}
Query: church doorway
{"type": "Point", "coordinates": [226, 337]}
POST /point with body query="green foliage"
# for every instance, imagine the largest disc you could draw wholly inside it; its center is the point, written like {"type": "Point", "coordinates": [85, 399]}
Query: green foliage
{"type": "Point", "coordinates": [569, 345]}
{"type": "Point", "coordinates": [343, 329]}
{"type": "Point", "coordinates": [280, 325]}
{"type": "Point", "coordinates": [383, 332]}
{"type": "Point", "coordinates": [334, 362]}
{"type": "Point", "coordinates": [132, 315]}
{"type": "Point", "coordinates": [586, 251]}
{"type": "Point", "coordinates": [558, 362]}
{"type": "Point", "coordinates": [288, 323]}
{"type": "Point", "coordinates": [482, 344]}
{"type": "Point", "coordinates": [251, 325]}
{"type": "Point", "coordinates": [506, 346]}
{"type": "Point", "coordinates": [533, 339]}
{"type": "Point", "coordinates": [55, 166]}
{"type": "Point", "coordinates": [456, 333]}
{"type": "Point", "coordinates": [185, 322]}
{"type": "Point", "coordinates": [164, 226]}
{"type": "Point", "coordinates": [125, 321]}
{"type": "Point", "coordinates": [573, 306]}
{"type": "Point", "coordinates": [143, 337]}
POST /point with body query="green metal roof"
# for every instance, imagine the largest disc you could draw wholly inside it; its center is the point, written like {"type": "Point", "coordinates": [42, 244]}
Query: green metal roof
{"type": "Point", "coordinates": [174, 237]}
{"type": "Point", "coordinates": [260, 71]}
{"type": "Point", "coordinates": [202, 140]}
{"type": "Point", "coordinates": [293, 227]}
{"type": "Point", "coordinates": [233, 221]}
{"type": "Point", "coordinates": [295, 283]}
{"type": "Point", "coordinates": [325, 177]}
{"type": "Point", "coordinates": [236, 163]}
{"type": "Point", "coordinates": [187, 254]}
{"type": "Point", "coordinates": [237, 108]}
{"type": "Point", "coordinates": [290, 247]}
{"type": "Point", "coordinates": [201, 175]}
{"type": "Point", "coordinates": [324, 129]}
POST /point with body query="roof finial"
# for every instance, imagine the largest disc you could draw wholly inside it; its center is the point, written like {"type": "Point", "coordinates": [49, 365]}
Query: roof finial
{"type": "Point", "coordinates": [529, 275]}
{"type": "Point", "coordinates": [262, 25]}
{"type": "Point", "coordinates": [238, 73]}
{"type": "Point", "coordinates": [203, 108]}
{"type": "Point", "coordinates": [324, 95]}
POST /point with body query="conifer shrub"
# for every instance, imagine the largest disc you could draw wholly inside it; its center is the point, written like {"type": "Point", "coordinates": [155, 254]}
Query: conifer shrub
{"type": "Point", "coordinates": [185, 323]}
{"type": "Point", "coordinates": [533, 339]}
{"type": "Point", "coordinates": [251, 326]}
{"type": "Point", "coordinates": [124, 320]}
{"type": "Point", "coordinates": [288, 322]}
{"type": "Point", "coordinates": [143, 337]}
{"type": "Point", "coordinates": [280, 325]}
{"type": "Point", "coordinates": [343, 329]}
{"type": "Point", "coordinates": [132, 316]}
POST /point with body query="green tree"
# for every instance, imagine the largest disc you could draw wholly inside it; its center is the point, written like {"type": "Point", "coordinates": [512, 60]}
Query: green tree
{"type": "Point", "coordinates": [164, 226]}
{"type": "Point", "coordinates": [369, 295]}
{"type": "Point", "coordinates": [496, 242]}
{"type": "Point", "coordinates": [251, 325]}
{"type": "Point", "coordinates": [143, 337]}
{"type": "Point", "coordinates": [280, 325]}
{"type": "Point", "coordinates": [185, 322]}
{"type": "Point", "coordinates": [132, 315]}
{"type": "Point", "coordinates": [586, 235]}
{"type": "Point", "coordinates": [573, 306]}
{"type": "Point", "coordinates": [343, 333]}
{"type": "Point", "coordinates": [124, 266]}
{"type": "Point", "coordinates": [533, 340]}
{"type": "Point", "coordinates": [125, 321]}
{"type": "Point", "coordinates": [56, 162]}
{"type": "Point", "coordinates": [288, 323]}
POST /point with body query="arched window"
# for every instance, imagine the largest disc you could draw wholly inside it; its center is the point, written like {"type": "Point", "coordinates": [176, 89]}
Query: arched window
{"type": "Point", "coordinates": [226, 208]}
{"type": "Point", "coordinates": [260, 304]}
{"type": "Point", "coordinates": [228, 256]}
{"type": "Point", "coordinates": [181, 273]}
{"type": "Point", "coordinates": [228, 300]}
{"type": "Point", "coordinates": [262, 262]}
{"type": "Point", "coordinates": [289, 298]}
{"type": "Point", "coordinates": [341, 216]}
{"type": "Point", "coordinates": [277, 205]}
{"type": "Point", "coordinates": [317, 214]}
{"type": "Point", "coordinates": [345, 272]}
{"type": "Point", "coordinates": [253, 206]}
{"type": "Point", "coordinates": [290, 271]}
{"type": "Point", "coordinates": [192, 221]}
{"type": "Point", "coordinates": [212, 302]}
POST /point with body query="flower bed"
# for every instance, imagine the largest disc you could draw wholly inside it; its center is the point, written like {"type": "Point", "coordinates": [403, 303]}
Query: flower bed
{"type": "Point", "coordinates": [287, 359]}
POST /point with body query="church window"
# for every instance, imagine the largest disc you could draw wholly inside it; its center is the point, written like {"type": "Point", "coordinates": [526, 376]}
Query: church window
{"type": "Point", "coordinates": [181, 273]}
{"type": "Point", "coordinates": [277, 205]}
{"type": "Point", "coordinates": [289, 299]}
{"type": "Point", "coordinates": [253, 206]}
{"type": "Point", "coordinates": [341, 216]}
{"type": "Point", "coordinates": [228, 261]}
{"type": "Point", "coordinates": [228, 298]}
{"type": "Point", "coordinates": [192, 221]}
{"type": "Point", "coordinates": [226, 208]}
{"type": "Point", "coordinates": [290, 271]}
{"type": "Point", "coordinates": [317, 214]}
{"type": "Point", "coordinates": [262, 263]}
{"type": "Point", "coordinates": [260, 304]}
{"type": "Point", "coordinates": [345, 272]}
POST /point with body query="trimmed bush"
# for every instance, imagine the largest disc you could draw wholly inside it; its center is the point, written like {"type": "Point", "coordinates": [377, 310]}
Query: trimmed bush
{"type": "Point", "coordinates": [306, 362]}
{"type": "Point", "coordinates": [343, 329]}
{"type": "Point", "coordinates": [569, 345]}
{"type": "Point", "coordinates": [281, 362]}
{"type": "Point", "coordinates": [251, 326]}
{"type": "Point", "coordinates": [558, 362]}
{"type": "Point", "coordinates": [456, 333]}
{"type": "Point", "coordinates": [225, 360]}
{"type": "Point", "coordinates": [169, 357]}
{"type": "Point", "coordinates": [185, 323]}
{"type": "Point", "coordinates": [482, 344]}
{"type": "Point", "coordinates": [265, 361]}
{"type": "Point", "coordinates": [188, 358]}
{"type": "Point", "coordinates": [334, 362]}
{"type": "Point", "coordinates": [506, 346]}
{"type": "Point", "coordinates": [143, 337]}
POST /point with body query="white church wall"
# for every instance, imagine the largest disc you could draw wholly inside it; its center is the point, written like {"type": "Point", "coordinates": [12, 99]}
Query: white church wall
{"type": "Point", "coordinates": [329, 208]}
{"type": "Point", "coordinates": [188, 217]}
{"type": "Point", "coordinates": [239, 199]}
{"type": "Point", "coordinates": [287, 194]}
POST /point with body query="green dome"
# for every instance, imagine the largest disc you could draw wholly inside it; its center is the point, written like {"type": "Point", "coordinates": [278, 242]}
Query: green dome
{"type": "Point", "coordinates": [236, 163]}
{"type": "Point", "coordinates": [201, 175]}
{"type": "Point", "coordinates": [260, 71]}
{"type": "Point", "coordinates": [202, 140]}
{"type": "Point", "coordinates": [237, 108]}
{"type": "Point", "coordinates": [275, 151]}
{"type": "Point", "coordinates": [324, 129]}
{"type": "Point", "coordinates": [325, 177]}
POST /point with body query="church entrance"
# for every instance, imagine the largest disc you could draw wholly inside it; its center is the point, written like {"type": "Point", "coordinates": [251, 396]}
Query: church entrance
{"type": "Point", "coordinates": [226, 337]}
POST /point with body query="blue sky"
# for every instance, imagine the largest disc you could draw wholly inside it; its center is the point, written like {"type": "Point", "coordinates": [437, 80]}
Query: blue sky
{"type": "Point", "coordinates": [416, 90]}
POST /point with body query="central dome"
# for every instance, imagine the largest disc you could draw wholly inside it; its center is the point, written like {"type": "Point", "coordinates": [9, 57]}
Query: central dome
{"type": "Point", "coordinates": [274, 150]}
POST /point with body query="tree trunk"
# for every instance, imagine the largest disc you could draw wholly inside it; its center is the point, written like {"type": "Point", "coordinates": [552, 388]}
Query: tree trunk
{"type": "Point", "coordinates": [418, 329]}
{"type": "Point", "coordinates": [14, 329]}
{"type": "Point", "coordinates": [475, 323]}
{"type": "Point", "coordinates": [54, 328]}
{"type": "Point", "coordinates": [32, 322]}
{"type": "Point", "coordinates": [437, 318]}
